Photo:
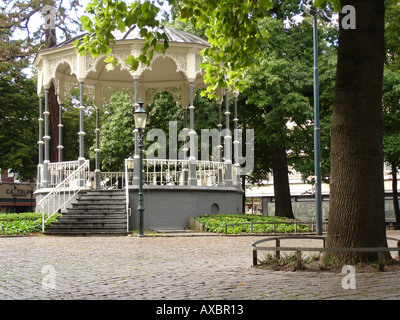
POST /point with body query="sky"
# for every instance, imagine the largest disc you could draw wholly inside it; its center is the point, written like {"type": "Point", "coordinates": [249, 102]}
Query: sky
{"type": "Point", "coordinates": [37, 19]}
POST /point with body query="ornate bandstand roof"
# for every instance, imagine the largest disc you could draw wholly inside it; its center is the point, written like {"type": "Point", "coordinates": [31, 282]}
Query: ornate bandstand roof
{"type": "Point", "coordinates": [170, 72]}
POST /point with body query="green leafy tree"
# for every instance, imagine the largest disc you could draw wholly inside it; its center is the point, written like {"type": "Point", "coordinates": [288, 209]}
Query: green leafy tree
{"type": "Point", "coordinates": [116, 135]}
{"type": "Point", "coordinates": [70, 118]}
{"type": "Point", "coordinates": [302, 157]}
{"type": "Point", "coordinates": [21, 36]}
{"type": "Point", "coordinates": [18, 124]}
{"type": "Point", "coordinates": [278, 104]}
{"type": "Point", "coordinates": [391, 98]}
{"type": "Point", "coordinates": [277, 93]}
{"type": "Point", "coordinates": [356, 217]}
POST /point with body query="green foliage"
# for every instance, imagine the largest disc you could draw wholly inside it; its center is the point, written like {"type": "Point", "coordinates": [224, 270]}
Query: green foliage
{"type": "Point", "coordinates": [231, 27]}
{"type": "Point", "coordinates": [20, 216]}
{"type": "Point", "coordinates": [18, 124]}
{"type": "Point", "coordinates": [391, 85]}
{"type": "Point", "coordinates": [116, 135]}
{"type": "Point", "coordinates": [391, 116]}
{"type": "Point", "coordinates": [71, 126]}
{"type": "Point", "coordinates": [392, 31]}
{"type": "Point", "coordinates": [20, 34]}
{"type": "Point", "coordinates": [24, 223]}
{"type": "Point", "coordinates": [216, 223]}
{"type": "Point", "coordinates": [280, 90]}
{"type": "Point", "coordinates": [109, 16]}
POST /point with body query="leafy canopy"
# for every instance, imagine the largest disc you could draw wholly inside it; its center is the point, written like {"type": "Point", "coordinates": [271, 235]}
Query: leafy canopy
{"type": "Point", "coordinates": [232, 30]}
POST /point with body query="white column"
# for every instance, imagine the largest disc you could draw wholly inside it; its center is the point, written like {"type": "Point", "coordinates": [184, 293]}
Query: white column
{"type": "Point", "coordinates": [219, 147]}
{"type": "Point", "coordinates": [46, 138]}
{"type": "Point", "coordinates": [228, 144]}
{"type": "Point", "coordinates": [192, 135]}
{"type": "Point", "coordinates": [236, 142]}
{"type": "Point", "coordinates": [60, 146]}
{"type": "Point", "coordinates": [81, 132]}
{"type": "Point", "coordinates": [97, 172]}
{"type": "Point", "coordinates": [40, 142]}
{"type": "Point", "coordinates": [136, 158]}
{"type": "Point", "coordinates": [185, 169]}
{"type": "Point", "coordinates": [61, 100]}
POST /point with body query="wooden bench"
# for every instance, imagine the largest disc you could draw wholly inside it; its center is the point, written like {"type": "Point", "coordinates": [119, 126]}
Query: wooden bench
{"type": "Point", "coordinates": [277, 248]}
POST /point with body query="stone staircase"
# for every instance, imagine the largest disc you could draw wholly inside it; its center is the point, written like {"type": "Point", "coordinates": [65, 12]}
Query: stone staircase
{"type": "Point", "coordinates": [95, 212]}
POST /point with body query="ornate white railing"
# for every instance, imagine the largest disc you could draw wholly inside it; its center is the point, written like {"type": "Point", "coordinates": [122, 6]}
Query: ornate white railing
{"type": "Point", "coordinates": [176, 172]}
{"type": "Point", "coordinates": [164, 172]}
{"type": "Point", "coordinates": [210, 173]}
{"type": "Point", "coordinates": [64, 192]}
{"type": "Point", "coordinates": [111, 180]}
{"type": "Point", "coordinates": [59, 171]}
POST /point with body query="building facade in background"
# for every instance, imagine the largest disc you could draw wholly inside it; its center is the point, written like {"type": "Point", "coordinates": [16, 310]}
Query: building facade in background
{"type": "Point", "coordinates": [16, 196]}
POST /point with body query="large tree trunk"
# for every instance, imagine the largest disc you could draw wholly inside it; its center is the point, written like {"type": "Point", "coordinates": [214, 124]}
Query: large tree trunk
{"type": "Point", "coordinates": [283, 203]}
{"type": "Point", "coordinates": [356, 213]}
{"type": "Point", "coordinates": [54, 109]}
{"type": "Point", "coordinates": [51, 41]}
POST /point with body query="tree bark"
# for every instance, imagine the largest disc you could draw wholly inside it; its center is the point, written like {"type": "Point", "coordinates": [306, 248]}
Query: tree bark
{"type": "Point", "coordinates": [283, 202]}
{"type": "Point", "coordinates": [356, 213]}
{"type": "Point", "coordinates": [395, 195]}
{"type": "Point", "coordinates": [51, 41]}
{"type": "Point", "coordinates": [54, 109]}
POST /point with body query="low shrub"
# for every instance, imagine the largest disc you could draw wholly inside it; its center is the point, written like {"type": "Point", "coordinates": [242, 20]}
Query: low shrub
{"type": "Point", "coordinates": [216, 223]}
{"type": "Point", "coordinates": [23, 223]}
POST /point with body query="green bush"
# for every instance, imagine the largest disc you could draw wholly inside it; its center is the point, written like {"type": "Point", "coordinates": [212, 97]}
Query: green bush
{"type": "Point", "coordinates": [216, 223]}
{"type": "Point", "coordinates": [20, 216]}
{"type": "Point", "coordinates": [23, 223]}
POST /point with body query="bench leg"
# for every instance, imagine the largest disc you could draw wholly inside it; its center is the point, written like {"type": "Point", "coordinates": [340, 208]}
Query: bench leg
{"type": "Point", "coordinates": [298, 265]}
{"type": "Point", "coordinates": [277, 244]}
{"type": "Point", "coordinates": [254, 258]}
{"type": "Point", "coordinates": [380, 258]}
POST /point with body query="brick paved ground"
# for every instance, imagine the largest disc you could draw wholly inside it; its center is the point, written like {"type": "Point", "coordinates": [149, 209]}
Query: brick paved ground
{"type": "Point", "coordinates": [166, 268]}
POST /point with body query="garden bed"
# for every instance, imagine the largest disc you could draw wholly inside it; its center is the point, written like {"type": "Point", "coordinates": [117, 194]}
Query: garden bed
{"type": "Point", "coordinates": [247, 224]}
{"type": "Point", "coordinates": [23, 223]}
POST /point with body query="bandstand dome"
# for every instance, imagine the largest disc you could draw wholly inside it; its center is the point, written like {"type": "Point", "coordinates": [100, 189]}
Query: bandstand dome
{"type": "Point", "coordinates": [180, 65]}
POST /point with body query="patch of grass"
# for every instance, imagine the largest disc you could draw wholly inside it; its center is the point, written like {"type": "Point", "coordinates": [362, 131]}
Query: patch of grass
{"type": "Point", "coordinates": [288, 262]}
{"type": "Point", "coordinates": [216, 223]}
{"type": "Point", "coordinates": [318, 262]}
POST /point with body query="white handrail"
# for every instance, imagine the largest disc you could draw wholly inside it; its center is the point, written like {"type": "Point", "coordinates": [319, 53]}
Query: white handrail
{"type": "Point", "coordinates": [58, 171]}
{"type": "Point", "coordinates": [64, 192]}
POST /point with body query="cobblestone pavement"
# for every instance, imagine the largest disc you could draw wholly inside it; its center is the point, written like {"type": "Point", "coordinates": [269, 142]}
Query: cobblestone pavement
{"type": "Point", "coordinates": [171, 268]}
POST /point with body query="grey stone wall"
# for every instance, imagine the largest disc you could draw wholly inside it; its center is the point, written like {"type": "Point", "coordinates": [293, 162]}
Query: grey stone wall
{"type": "Point", "coordinates": [169, 207]}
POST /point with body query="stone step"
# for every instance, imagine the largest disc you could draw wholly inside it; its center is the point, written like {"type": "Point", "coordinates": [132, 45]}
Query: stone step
{"type": "Point", "coordinates": [96, 212]}
{"type": "Point", "coordinates": [103, 208]}
{"type": "Point", "coordinates": [98, 202]}
{"type": "Point", "coordinates": [92, 226]}
{"type": "Point", "coordinates": [85, 233]}
{"type": "Point", "coordinates": [69, 216]}
{"type": "Point", "coordinates": [100, 193]}
{"type": "Point", "coordinates": [77, 220]}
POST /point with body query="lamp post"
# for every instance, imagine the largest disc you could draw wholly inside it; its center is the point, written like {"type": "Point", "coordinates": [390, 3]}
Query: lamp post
{"type": "Point", "coordinates": [140, 116]}
{"type": "Point", "coordinates": [309, 8]}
